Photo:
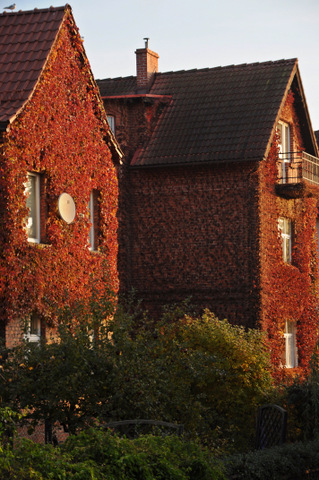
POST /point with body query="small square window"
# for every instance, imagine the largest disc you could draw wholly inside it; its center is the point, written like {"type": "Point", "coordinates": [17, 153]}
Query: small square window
{"type": "Point", "coordinates": [284, 226]}
{"type": "Point", "coordinates": [291, 354]}
{"type": "Point", "coordinates": [32, 223]}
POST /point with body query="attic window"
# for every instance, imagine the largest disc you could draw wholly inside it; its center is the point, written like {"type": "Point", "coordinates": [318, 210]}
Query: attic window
{"type": "Point", "coordinates": [283, 131]}
{"type": "Point", "coordinates": [111, 120]}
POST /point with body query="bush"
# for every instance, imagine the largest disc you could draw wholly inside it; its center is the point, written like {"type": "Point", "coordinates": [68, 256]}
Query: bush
{"type": "Point", "coordinates": [287, 462]}
{"type": "Point", "coordinates": [301, 399]}
{"type": "Point", "coordinates": [64, 381]}
{"type": "Point", "coordinates": [202, 372]}
{"type": "Point", "coordinates": [101, 455]}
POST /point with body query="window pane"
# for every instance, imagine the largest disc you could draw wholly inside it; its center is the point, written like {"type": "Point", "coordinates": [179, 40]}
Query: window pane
{"type": "Point", "coordinates": [32, 189]}
{"type": "Point", "coordinates": [91, 210]}
{"type": "Point", "coordinates": [35, 325]}
{"type": "Point", "coordinates": [111, 120]}
{"type": "Point", "coordinates": [284, 226]}
{"type": "Point", "coordinates": [290, 345]}
{"type": "Point", "coordinates": [31, 204]}
{"type": "Point", "coordinates": [287, 249]}
{"type": "Point", "coordinates": [286, 139]}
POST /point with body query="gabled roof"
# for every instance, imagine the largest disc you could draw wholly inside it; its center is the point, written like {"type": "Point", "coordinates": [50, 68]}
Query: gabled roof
{"type": "Point", "coordinates": [26, 39]}
{"type": "Point", "coordinates": [216, 114]}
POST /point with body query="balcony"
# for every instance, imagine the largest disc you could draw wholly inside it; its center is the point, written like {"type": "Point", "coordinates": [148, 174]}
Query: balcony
{"type": "Point", "coordinates": [298, 175]}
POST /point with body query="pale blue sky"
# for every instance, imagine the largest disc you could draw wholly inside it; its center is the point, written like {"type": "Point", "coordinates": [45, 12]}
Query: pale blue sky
{"type": "Point", "coordinates": [197, 34]}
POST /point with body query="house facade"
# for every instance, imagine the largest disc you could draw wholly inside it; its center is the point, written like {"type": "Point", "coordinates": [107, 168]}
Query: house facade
{"type": "Point", "coordinates": [219, 195]}
{"type": "Point", "coordinates": [58, 182]}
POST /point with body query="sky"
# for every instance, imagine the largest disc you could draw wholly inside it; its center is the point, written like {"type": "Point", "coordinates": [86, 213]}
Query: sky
{"type": "Point", "coordinates": [191, 34]}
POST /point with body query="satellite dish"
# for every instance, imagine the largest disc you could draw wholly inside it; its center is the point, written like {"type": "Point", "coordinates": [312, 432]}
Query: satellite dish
{"type": "Point", "coordinates": [66, 207]}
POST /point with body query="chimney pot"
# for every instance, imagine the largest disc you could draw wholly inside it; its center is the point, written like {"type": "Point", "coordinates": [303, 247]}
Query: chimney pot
{"type": "Point", "coordinates": [146, 67]}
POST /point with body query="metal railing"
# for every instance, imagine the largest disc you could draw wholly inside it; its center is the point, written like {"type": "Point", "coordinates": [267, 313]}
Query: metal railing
{"type": "Point", "coordinates": [297, 166]}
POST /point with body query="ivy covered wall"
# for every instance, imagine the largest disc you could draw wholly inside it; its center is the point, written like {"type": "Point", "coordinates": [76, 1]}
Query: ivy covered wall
{"type": "Point", "coordinates": [61, 134]}
{"type": "Point", "coordinates": [288, 291]}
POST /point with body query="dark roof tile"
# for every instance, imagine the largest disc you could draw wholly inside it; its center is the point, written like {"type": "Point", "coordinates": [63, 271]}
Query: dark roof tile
{"type": "Point", "coordinates": [219, 114]}
{"type": "Point", "coordinates": [26, 39]}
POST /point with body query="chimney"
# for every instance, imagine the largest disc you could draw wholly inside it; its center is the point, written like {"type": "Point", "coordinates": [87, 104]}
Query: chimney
{"type": "Point", "coordinates": [146, 67]}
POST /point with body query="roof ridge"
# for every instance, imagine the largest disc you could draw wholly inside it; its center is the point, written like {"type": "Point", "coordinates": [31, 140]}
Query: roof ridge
{"type": "Point", "coordinates": [35, 10]}
{"type": "Point", "coordinates": [291, 61]}
{"type": "Point", "coordinates": [115, 78]}
{"type": "Point", "coordinates": [232, 66]}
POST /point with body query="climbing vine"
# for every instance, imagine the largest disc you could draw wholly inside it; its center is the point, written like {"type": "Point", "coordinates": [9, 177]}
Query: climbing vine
{"type": "Point", "coordinates": [289, 291]}
{"type": "Point", "coordinates": [60, 133]}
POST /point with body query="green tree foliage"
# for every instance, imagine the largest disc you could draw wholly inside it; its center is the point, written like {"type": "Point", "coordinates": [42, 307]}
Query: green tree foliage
{"type": "Point", "coordinates": [201, 372]}
{"type": "Point", "coordinates": [301, 399]}
{"type": "Point", "coordinates": [64, 380]}
{"type": "Point", "coordinates": [98, 455]}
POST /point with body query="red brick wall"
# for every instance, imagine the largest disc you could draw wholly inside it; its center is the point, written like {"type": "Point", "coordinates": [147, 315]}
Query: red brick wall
{"type": "Point", "coordinates": [211, 232]}
{"type": "Point", "coordinates": [193, 233]}
{"type": "Point", "coordinates": [135, 119]}
{"type": "Point", "coordinates": [146, 66]}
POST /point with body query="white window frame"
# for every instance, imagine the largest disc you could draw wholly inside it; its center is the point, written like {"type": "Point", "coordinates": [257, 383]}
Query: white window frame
{"type": "Point", "coordinates": [33, 329]}
{"type": "Point", "coordinates": [111, 121]}
{"type": "Point", "coordinates": [284, 149]}
{"type": "Point", "coordinates": [291, 351]}
{"type": "Point", "coordinates": [34, 238]}
{"type": "Point", "coordinates": [91, 233]}
{"type": "Point", "coordinates": [285, 229]}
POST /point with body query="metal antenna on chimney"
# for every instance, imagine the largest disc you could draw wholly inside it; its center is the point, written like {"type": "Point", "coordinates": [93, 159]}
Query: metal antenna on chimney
{"type": "Point", "coordinates": [146, 41]}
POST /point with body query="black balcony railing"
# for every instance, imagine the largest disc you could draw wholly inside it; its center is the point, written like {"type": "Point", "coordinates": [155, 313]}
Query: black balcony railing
{"type": "Point", "coordinates": [297, 166]}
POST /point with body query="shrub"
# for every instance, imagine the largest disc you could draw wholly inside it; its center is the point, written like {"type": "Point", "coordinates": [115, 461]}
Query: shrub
{"type": "Point", "coordinates": [101, 455]}
{"type": "Point", "coordinates": [288, 462]}
{"type": "Point", "coordinates": [301, 399]}
{"type": "Point", "coordinates": [202, 372]}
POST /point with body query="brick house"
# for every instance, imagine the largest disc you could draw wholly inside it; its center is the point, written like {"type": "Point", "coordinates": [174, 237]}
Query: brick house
{"type": "Point", "coordinates": [219, 195]}
{"type": "Point", "coordinates": [58, 184]}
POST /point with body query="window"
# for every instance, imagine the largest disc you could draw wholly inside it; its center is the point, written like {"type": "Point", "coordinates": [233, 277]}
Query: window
{"type": "Point", "coordinates": [291, 354]}
{"type": "Point", "coordinates": [283, 131]}
{"type": "Point", "coordinates": [32, 189]}
{"type": "Point", "coordinates": [91, 211]}
{"type": "Point", "coordinates": [33, 328]}
{"type": "Point", "coordinates": [111, 120]}
{"type": "Point", "coordinates": [284, 225]}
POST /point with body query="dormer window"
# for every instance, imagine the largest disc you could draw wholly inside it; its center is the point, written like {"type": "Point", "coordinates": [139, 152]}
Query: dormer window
{"type": "Point", "coordinates": [111, 120]}
{"type": "Point", "coordinates": [283, 131]}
